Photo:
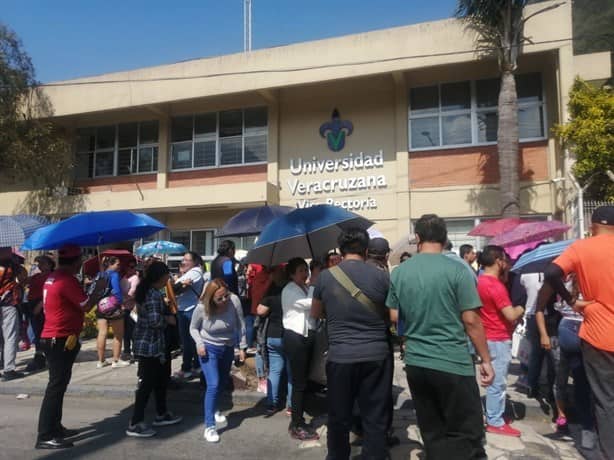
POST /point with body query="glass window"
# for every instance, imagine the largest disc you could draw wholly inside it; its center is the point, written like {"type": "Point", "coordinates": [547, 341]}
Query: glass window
{"type": "Point", "coordinates": [255, 148]}
{"type": "Point", "coordinates": [204, 154]}
{"type": "Point", "coordinates": [86, 139]}
{"type": "Point", "coordinates": [105, 137]}
{"type": "Point", "coordinates": [488, 123]}
{"type": "Point", "coordinates": [455, 96]}
{"type": "Point", "coordinates": [231, 123]}
{"type": "Point", "coordinates": [148, 133]}
{"type": "Point", "coordinates": [181, 155]}
{"type": "Point", "coordinates": [181, 129]}
{"type": "Point", "coordinates": [202, 242]}
{"type": "Point", "coordinates": [487, 92]}
{"type": "Point", "coordinates": [148, 157]}
{"type": "Point", "coordinates": [231, 150]}
{"type": "Point", "coordinates": [529, 88]}
{"type": "Point", "coordinates": [181, 237]}
{"type": "Point", "coordinates": [424, 100]}
{"type": "Point", "coordinates": [127, 135]}
{"type": "Point", "coordinates": [456, 129]}
{"type": "Point", "coordinates": [84, 168]}
{"type": "Point", "coordinates": [530, 122]}
{"type": "Point", "coordinates": [425, 132]}
{"type": "Point", "coordinates": [126, 162]}
{"type": "Point", "coordinates": [205, 124]}
{"type": "Point", "coordinates": [104, 164]}
{"type": "Point", "coordinates": [255, 119]}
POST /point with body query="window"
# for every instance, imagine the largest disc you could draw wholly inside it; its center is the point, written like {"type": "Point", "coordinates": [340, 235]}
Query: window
{"type": "Point", "coordinates": [117, 150]}
{"type": "Point", "coordinates": [243, 242]}
{"type": "Point", "coordinates": [199, 241]}
{"type": "Point", "coordinates": [226, 138]}
{"type": "Point", "coordinates": [465, 113]}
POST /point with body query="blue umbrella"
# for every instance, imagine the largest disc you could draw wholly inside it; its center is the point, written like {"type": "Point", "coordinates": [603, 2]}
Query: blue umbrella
{"type": "Point", "coordinates": [250, 222]}
{"type": "Point", "coordinates": [93, 229]}
{"type": "Point", "coordinates": [544, 254]}
{"type": "Point", "coordinates": [306, 232]}
{"type": "Point", "coordinates": [15, 229]}
{"type": "Point", "coordinates": [160, 247]}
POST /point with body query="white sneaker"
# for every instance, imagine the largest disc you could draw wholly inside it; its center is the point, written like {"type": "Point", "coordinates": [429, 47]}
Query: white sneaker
{"type": "Point", "coordinates": [211, 435]}
{"type": "Point", "coordinates": [101, 364]}
{"type": "Point", "coordinates": [220, 420]}
{"type": "Point", "coordinates": [120, 363]}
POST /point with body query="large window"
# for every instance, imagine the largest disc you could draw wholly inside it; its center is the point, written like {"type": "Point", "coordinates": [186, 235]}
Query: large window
{"type": "Point", "coordinates": [199, 241]}
{"type": "Point", "coordinates": [117, 150]}
{"type": "Point", "coordinates": [465, 113]}
{"type": "Point", "coordinates": [231, 137]}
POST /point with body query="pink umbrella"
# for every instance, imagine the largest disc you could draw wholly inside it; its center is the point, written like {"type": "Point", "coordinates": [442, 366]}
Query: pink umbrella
{"type": "Point", "coordinates": [496, 226]}
{"type": "Point", "coordinates": [529, 232]}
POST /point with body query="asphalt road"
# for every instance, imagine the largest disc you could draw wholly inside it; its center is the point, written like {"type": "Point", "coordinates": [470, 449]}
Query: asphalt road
{"type": "Point", "coordinates": [103, 422]}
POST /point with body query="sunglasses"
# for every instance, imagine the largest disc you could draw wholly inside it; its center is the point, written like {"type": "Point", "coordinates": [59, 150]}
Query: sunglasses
{"type": "Point", "coordinates": [221, 298]}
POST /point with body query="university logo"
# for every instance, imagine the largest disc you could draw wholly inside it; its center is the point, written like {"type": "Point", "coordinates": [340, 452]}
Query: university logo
{"type": "Point", "coordinates": [335, 131]}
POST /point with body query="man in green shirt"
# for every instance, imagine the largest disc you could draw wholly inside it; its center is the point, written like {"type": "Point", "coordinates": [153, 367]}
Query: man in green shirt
{"type": "Point", "coordinates": [439, 301]}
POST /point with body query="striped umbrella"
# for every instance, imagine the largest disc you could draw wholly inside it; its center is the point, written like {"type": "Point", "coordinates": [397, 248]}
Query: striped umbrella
{"type": "Point", "coordinates": [530, 231]}
{"type": "Point", "coordinates": [544, 253]}
{"type": "Point", "coordinates": [15, 229]}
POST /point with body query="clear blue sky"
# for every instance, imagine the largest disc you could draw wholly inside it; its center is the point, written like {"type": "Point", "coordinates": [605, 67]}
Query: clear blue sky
{"type": "Point", "coordinates": [75, 38]}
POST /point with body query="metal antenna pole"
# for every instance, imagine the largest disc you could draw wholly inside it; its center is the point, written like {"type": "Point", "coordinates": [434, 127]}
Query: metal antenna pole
{"type": "Point", "coordinates": [247, 25]}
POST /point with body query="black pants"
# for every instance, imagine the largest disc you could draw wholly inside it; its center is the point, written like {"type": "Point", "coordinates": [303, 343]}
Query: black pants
{"type": "Point", "coordinates": [537, 356]}
{"type": "Point", "coordinates": [128, 331]}
{"type": "Point", "coordinates": [599, 366]}
{"type": "Point", "coordinates": [153, 376]}
{"type": "Point", "coordinates": [449, 413]}
{"type": "Point", "coordinates": [60, 363]}
{"type": "Point", "coordinates": [369, 384]}
{"type": "Point", "coordinates": [299, 350]}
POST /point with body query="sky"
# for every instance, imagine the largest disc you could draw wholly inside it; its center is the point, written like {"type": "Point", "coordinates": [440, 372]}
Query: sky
{"type": "Point", "coordinates": [77, 38]}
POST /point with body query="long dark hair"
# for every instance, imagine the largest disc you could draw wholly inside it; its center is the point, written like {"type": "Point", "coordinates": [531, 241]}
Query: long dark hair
{"type": "Point", "coordinates": [153, 274]}
{"type": "Point", "coordinates": [108, 261]}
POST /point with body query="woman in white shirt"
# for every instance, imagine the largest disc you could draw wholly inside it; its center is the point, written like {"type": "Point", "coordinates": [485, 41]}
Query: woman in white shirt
{"type": "Point", "coordinates": [299, 330]}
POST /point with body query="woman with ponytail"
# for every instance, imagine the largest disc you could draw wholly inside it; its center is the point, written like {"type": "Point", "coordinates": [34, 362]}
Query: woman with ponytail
{"type": "Point", "coordinates": [150, 351]}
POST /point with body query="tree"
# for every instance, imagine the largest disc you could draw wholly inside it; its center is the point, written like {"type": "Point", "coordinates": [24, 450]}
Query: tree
{"type": "Point", "coordinates": [32, 149]}
{"type": "Point", "coordinates": [500, 28]}
{"type": "Point", "coordinates": [590, 136]}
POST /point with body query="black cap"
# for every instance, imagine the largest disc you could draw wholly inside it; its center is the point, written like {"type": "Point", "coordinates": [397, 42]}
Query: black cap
{"type": "Point", "coordinates": [378, 246]}
{"type": "Point", "coordinates": [603, 215]}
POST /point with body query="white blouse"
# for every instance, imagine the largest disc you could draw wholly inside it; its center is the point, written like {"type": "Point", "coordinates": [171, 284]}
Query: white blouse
{"type": "Point", "coordinates": [296, 307]}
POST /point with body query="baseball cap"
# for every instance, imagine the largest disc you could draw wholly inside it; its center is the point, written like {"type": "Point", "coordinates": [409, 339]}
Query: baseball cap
{"type": "Point", "coordinates": [603, 215]}
{"type": "Point", "coordinates": [378, 246]}
{"type": "Point", "coordinates": [69, 251]}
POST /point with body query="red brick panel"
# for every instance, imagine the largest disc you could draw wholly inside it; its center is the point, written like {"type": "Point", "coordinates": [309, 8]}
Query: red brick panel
{"type": "Point", "coordinates": [216, 176]}
{"type": "Point", "coordinates": [474, 165]}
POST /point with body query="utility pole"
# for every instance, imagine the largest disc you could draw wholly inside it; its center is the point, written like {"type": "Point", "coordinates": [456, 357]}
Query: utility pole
{"type": "Point", "coordinates": [247, 25]}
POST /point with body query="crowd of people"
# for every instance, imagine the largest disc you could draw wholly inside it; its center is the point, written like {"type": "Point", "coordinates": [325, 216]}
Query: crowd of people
{"type": "Point", "coordinates": [453, 314]}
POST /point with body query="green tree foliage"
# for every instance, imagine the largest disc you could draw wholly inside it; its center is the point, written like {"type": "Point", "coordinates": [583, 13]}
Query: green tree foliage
{"type": "Point", "coordinates": [590, 136]}
{"type": "Point", "coordinates": [32, 149]}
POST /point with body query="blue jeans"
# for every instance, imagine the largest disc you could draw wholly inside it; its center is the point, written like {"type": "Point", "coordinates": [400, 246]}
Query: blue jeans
{"type": "Point", "coordinates": [569, 343]}
{"type": "Point", "coordinates": [216, 369]}
{"type": "Point", "coordinates": [259, 362]}
{"type": "Point", "coordinates": [277, 363]}
{"type": "Point", "coordinates": [188, 347]}
{"type": "Point", "coordinates": [501, 355]}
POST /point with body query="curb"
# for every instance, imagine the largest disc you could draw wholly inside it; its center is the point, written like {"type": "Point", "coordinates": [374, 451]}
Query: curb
{"type": "Point", "coordinates": [238, 397]}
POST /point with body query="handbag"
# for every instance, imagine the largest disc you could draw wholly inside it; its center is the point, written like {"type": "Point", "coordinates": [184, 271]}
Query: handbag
{"type": "Point", "coordinates": [108, 305]}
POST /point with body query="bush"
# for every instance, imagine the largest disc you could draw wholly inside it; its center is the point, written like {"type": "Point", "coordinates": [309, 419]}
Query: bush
{"type": "Point", "coordinates": [90, 328]}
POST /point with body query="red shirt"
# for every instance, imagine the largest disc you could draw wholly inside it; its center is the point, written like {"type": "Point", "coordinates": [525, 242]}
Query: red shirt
{"type": "Point", "coordinates": [37, 282]}
{"type": "Point", "coordinates": [494, 298]}
{"type": "Point", "coordinates": [63, 302]}
{"type": "Point", "coordinates": [260, 282]}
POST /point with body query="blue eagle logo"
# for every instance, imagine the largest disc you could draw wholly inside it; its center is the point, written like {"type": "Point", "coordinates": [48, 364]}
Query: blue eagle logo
{"type": "Point", "coordinates": [335, 131]}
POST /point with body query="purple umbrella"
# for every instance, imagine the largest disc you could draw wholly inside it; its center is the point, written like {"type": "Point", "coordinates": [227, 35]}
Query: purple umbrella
{"type": "Point", "coordinates": [529, 232]}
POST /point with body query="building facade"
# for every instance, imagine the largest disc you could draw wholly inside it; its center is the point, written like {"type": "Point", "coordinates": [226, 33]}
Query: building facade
{"type": "Point", "coordinates": [391, 124]}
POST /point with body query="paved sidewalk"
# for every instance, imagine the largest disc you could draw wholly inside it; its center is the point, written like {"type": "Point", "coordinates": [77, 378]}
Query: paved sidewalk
{"type": "Point", "coordinates": [90, 382]}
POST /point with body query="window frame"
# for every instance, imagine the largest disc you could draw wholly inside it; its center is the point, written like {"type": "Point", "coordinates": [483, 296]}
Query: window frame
{"type": "Point", "coordinates": [218, 153]}
{"type": "Point", "coordinates": [474, 111]}
{"type": "Point", "coordinates": [115, 149]}
{"type": "Point", "coordinates": [191, 231]}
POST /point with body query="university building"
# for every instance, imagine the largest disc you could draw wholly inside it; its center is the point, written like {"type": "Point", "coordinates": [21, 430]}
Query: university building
{"type": "Point", "coordinates": [391, 124]}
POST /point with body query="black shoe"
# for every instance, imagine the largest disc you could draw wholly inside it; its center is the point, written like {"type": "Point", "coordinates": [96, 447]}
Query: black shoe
{"type": "Point", "coordinates": [12, 375]}
{"type": "Point", "coordinates": [272, 410]}
{"type": "Point", "coordinates": [68, 433]}
{"type": "Point", "coordinates": [303, 432]}
{"type": "Point", "coordinates": [54, 443]}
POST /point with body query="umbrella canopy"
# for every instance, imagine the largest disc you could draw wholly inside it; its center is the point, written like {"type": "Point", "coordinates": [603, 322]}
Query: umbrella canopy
{"type": "Point", "coordinates": [93, 229]}
{"type": "Point", "coordinates": [15, 229]}
{"type": "Point", "coordinates": [92, 265]}
{"type": "Point", "coordinates": [537, 259]}
{"type": "Point", "coordinates": [160, 247]}
{"type": "Point", "coordinates": [531, 231]}
{"type": "Point", "coordinates": [250, 222]}
{"type": "Point", "coordinates": [496, 226]}
{"type": "Point", "coordinates": [305, 232]}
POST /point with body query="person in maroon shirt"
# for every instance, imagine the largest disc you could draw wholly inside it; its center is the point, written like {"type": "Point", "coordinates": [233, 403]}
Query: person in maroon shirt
{"type": "Point", "coordinates": [499, 318]}
{"type": "Point", "coordinates": [35, 308]}
{"type": "Point", "coordinates": [64, 304]}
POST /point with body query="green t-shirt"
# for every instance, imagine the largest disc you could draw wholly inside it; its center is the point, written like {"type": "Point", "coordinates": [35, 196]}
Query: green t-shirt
{"type": "Point", "coordinates": [430, 291]}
